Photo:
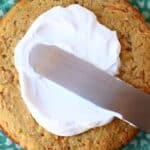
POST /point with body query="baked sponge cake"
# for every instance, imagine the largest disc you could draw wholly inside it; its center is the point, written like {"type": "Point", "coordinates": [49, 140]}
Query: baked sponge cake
{"type": "Point", "coordinates": [16, 120]}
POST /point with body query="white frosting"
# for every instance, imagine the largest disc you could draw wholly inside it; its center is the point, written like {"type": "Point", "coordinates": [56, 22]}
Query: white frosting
{"type": "Point", "coordinates": [75, 30]}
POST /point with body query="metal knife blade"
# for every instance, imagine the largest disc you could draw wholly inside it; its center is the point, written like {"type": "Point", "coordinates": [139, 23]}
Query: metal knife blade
{"type": "Point", "coordinates": [93, 84]}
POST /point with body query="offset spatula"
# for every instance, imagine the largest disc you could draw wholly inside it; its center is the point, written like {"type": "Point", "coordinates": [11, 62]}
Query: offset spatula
{"type": "Point", "coordinates": [93, 84]}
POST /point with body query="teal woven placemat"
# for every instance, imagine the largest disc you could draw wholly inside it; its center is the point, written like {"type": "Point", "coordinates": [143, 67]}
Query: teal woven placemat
{"type": "Point", "coordinates": [143, 6]}
{"type": "Point", "coordinates": [142, 140]}
{"type": "Point", "coordinates": [5, 6]}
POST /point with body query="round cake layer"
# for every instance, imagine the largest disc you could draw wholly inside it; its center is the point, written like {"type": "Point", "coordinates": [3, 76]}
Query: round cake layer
{"type": "Point", "coordinates": [15, 118]}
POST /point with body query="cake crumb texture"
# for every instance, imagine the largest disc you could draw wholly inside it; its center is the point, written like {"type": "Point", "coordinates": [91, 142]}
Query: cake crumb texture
{"type": "Point", "coordinates": [16, 120]}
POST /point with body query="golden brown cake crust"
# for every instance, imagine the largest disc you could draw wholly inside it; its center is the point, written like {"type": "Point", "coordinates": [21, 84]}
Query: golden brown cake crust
{"type": "Point", "coordinates": [15, 118]}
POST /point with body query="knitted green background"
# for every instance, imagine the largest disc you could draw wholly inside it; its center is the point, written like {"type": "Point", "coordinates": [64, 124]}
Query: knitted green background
{"type": "Point", "coordinates": [142, 141]}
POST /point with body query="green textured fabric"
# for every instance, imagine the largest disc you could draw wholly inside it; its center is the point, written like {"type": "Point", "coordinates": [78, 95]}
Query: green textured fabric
{"type": "Point", "coordinates": [7, 144]}
{"type": "Point", "coordinates": [143, 6]}
{"type": "Point", "coordinates": [5, 6]}
{"type": "Point", "coordinates": [142, 141]}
